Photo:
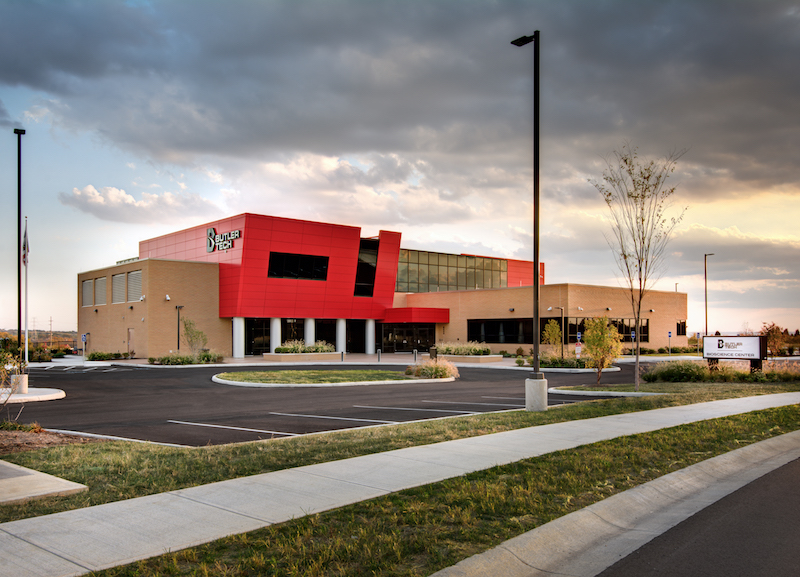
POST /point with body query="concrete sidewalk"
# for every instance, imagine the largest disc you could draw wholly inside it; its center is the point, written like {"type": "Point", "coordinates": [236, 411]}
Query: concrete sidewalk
{"type": "Point", "coordinates": [76, 542]}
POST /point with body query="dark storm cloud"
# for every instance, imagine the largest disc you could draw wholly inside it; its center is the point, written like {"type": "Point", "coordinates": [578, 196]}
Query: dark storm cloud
{"type": "Point", "coordinates": [433, 85]}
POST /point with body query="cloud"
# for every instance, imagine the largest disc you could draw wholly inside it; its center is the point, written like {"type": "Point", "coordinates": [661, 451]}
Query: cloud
{"type": "Point", "coordinates": [116, 205]}
{"type": "Point", "coordinates": [5, 119]}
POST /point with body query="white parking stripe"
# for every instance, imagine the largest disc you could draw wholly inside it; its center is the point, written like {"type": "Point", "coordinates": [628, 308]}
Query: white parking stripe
{"type": "Point", "coordinates": [234, 428]}
{"type": "Point", "coordinates": [521, 400]}
{"type": "Point", "coordinates": [411, 409]}
{"type": "Point", "coordinates": [336, 418]}
{"type": "Point", "coordinates": [464, 403]}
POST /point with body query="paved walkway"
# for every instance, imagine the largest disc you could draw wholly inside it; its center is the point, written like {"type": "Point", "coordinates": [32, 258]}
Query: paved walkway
{"type": "Point", "coordinates": [76, 542]}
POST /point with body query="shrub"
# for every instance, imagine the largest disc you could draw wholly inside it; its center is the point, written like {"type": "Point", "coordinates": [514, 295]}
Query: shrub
{"type": "Point", "coordinates": [677, 372]}
{"type": "Point", "coordinates": [520, 351]}
{"type": "Point", "coordinates": [434, 369]}
{"type": "Point", "coordinates": [209, 357]}
{"type": "Point", "coordinates": [468, 348]}
{"type": "Point", "coordinates": [173, 359]}
{"type": "Point", "coordinates": [99, 356]}
{"type": "Point", "coordinates": [520, 361]}
{"type": "Point", "coordinates": [300, 346]}
{"type": "Point", "coordinates": [40, 355]}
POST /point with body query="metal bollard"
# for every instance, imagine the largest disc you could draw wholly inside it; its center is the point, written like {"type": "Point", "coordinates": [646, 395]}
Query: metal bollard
{"type": "Point", "coordinates": [342, 356]}
{"type": "Point", "coordinates": [415, 355]}
{"type": "Point", "coordinates": [379, 355]}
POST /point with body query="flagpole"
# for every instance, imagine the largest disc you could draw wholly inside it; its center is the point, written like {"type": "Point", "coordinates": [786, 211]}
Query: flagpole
{"type": "Point", "coordinates": [25, 262]}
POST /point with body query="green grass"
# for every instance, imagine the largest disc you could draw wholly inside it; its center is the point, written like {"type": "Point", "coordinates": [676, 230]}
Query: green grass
{"type": "Point", "coordinates": [115, 471]}
{"type": "Point", "coordinates": [421, 530]}
{"type": "Point", "coordinates": [312, 376]}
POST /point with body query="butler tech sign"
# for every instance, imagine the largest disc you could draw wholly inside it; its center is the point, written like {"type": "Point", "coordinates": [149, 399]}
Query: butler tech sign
{"type": "Point", "coordinates": [222, 241]}
{"type": "Point", "coordinates": [718, 347]}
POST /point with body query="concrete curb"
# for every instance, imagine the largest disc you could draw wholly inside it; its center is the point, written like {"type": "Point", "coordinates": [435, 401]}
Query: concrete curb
{"type": "Point", "coordinates": [586, 542]}
{"type": "Point", "coordinates": [603, 394]}
{"type": "Point", "coordinates": [36, 395]}
{"type": "Point", "coordinates": [216, 379]}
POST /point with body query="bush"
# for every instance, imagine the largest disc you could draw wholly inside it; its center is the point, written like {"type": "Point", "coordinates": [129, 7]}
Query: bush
{"type": "Point", "coordinates": [520, 361]}
{"type": "Point", "coordinates": [300, 346]}
{"type": "Point", "coordinates": [677, 372]}
{"type": "Point", "coordinates": [99, 356]}
{"type": "Point", "coordinates": [520, 351]}
{"type": "Point", "coordinates": [470, 348]}
{"type": "Point", "coordinates": [173, 359]}
{"type": "Point", "coordinates": [40, 355]}
{"type": "Point", "coordinates": [433, 369]}
{"type": "Point", "coordinates": [209, 357]}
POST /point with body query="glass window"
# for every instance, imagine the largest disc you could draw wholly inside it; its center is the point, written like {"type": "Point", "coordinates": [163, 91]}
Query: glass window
{"type": "Point", "coordinates": [298, 266]}
{"type": "Point", "coordinates": [462, 278]}
{"type": "Point", "coordinates": [413, 272]}
{"type": "Point", "coordinates": [413, 256]}
{"type": "Point", "coordinates": [423, 273]}
{"type": "Point", "coordinates": [443, 277]}
{"type": "Point", "coordinates": [503, 278]}
{"type": "Point", "coordinates": [402, 274]}
{"type": "Point", "coordinates": [470, 279]}
{"type": "Point", "coordinates": [452, 260]}
{"type": "Point", "coordinates": [87, 298]}
{"type": "Point", "coordinates": [503, 265]}
{"type": "Point", "coordinates": [433, 258]}
{"type": "Point", "coordinates": [479, 278]}
{"type": "Point", "coordinates": [462, 261]}
{"type": "Point", "coordinates": [100, 291]}
{"type": "Point", "coordinates": [403, 255]}
{"type": "Point", "coordinates": [423, 258]}
{"type": "Point", "coordinates": [495, 279]}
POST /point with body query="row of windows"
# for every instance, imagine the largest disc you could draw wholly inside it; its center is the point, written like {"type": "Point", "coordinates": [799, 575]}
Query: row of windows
{"type": "Point", "coordinates": [455, 260]}
{"type": "Point", "coordinates": [414, 277]}
{"type": "Point", "coordinates": [521, 330]}
{"type": "Point", "coordinates": [125, 287]}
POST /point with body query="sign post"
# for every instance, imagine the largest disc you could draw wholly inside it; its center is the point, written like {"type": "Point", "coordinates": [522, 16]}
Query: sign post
{"type": "Point", "coordinates": [669, 342]}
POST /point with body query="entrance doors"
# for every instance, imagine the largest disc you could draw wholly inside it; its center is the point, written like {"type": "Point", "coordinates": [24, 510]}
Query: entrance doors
{"type": "Point", "coordinates": [404, 338]}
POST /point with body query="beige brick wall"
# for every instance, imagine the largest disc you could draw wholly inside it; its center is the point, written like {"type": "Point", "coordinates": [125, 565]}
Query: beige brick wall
{"type": "Point", "coordinates": [667, 308]}
{"type": "Point", "coordinates": [150, 327]}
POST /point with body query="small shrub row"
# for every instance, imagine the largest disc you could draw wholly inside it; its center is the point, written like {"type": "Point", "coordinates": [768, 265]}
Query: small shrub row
{"type": "Point", "coordinates": [203, 357]}
{"type": "Point", "coordinates": [300, 346]}
{"type": "Point", "coordinates": [433, 369]}
{"type": "Point", "coordinates": [698, 371]}
{"type": "Point", "coordinates": [102, 356]}
{"type": "Point", "coordinates": [470, 348]}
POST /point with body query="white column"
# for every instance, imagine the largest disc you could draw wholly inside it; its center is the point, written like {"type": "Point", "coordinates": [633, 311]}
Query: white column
{"type": "Point", "coordinates": [274, 334]}
{"type": "Point", "coordinates": [369, 337]}
{"type": "Point", "coordinates": [238, 337]}
{"type": "Point", "coordinates": [308, 331]}
{"type": "Point", "coordinates": [341, 335]}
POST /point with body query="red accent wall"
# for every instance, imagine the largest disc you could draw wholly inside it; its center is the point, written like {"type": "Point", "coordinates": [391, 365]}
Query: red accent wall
{"type": "Point", "coordinates": [520, 273]}
{"type": "Point", "coordinates": [245, 289]}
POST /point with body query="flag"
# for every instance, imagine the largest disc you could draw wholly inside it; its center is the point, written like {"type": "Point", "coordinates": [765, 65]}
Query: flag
{"type": "Point", "coordinates": [25, 246]}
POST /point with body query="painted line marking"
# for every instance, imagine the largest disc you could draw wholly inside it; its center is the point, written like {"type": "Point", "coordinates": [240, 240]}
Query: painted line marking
{"type": "Point", "coordinates": [506, 399]}
{"type": "Point", "coordinates": [412, 409]}
{"type": "Point", "coordinates": [336, 418]}
{"type": "Point", "coordinates": [233, 428]}
{"type": "Point", "coordinates": [465, 403]}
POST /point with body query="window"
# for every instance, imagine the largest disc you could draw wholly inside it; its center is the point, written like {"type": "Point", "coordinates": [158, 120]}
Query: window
{"type": "Point", "coordinates": [134, 285]}
{"type": "Point", "coordinates": [87, 298]}
{"type": "Point", "coordinates": [100, 291]}
{"type": "Point", "coordinates": [511, 331]}
{"type": "Point", "coordinates": [297, 266]}
{"type": "Point", "coordinates": [680, 330]}
{"type": "Point", "coordinates": [449, 272]}
{"type": "Point", "coordinates": [368, 263]}
{"type": "Point", "coordinates": [118, 288]}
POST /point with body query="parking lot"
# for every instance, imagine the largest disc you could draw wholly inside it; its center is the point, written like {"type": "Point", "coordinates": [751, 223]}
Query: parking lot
{"type": "Point", "coordinates": [183, 406]}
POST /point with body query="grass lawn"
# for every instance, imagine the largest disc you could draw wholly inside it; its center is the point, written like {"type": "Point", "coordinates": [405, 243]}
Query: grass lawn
{"type": "Point", "coordinates": [417, 531]}
{"type": "Point", "coordinates": [312, 376]}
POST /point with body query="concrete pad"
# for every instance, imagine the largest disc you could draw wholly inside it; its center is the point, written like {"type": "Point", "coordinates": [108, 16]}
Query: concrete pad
{"type": "Point", "coordinates": [19, 484]}
{"type": "Point", "coordinates": [126, 531]}
{"type": "Point", "coordinates": [21, 559]}
{"type": "Point", "coordinates": [34, 394]}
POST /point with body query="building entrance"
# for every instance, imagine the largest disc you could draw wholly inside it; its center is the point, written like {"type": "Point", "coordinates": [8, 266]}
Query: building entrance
{"type": "Point", "coordinates": [406, 337]}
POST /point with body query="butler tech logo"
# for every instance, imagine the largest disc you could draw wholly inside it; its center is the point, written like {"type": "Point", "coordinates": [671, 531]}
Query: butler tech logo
{"type": "Point", "coordinates": [222, 241]}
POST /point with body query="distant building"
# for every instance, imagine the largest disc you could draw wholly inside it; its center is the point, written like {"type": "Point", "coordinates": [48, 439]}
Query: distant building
{"type": "Point", "coordinates": [251, 282]}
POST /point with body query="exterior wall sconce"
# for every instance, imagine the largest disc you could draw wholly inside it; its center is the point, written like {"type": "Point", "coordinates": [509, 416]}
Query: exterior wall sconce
{"type": "Point", "coordinates": [141, 298]}
{"type": "Point", "coordinates": [652, 310]}
{"type": "Point", "coordinates": [131, 307]}
{"type": "Point", "coordinates": [511, 310]}
{"type": "Point", "coordinates": [608, 308]}
{"type": "Point", "coordinates": [167, 297]}
{"type": "Point", "coordinates": [580, 308]}
{"type": "Point", "coordinates": [95, 310]}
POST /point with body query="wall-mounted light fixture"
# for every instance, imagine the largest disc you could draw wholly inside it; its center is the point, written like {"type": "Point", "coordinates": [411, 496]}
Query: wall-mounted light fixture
{"type": "Point", "coordinates": [167, 297]}
{"type": "Point", "coordinates": [580, 308]}
{"type": "Point", "coordinates": [652, 310]}
{"type": "Point", "coordinates": [95, 310]}
{"type": "Point", "coordinates": [141, 298]}
{"type": "Point", "coordinates": [608, 308]}
{"type": "Point", "coordinates": [511, 310]}
{"type": "Point", "coordinates": [131, 307]}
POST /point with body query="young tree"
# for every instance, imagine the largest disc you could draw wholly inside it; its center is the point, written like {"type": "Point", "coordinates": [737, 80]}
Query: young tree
{"type": "Point", "coordinates": [638, 197]}
{"type": "Point", "coordinates": [602, 343]}
{"type": "Point", "coordinates": [193, 337]}
{"type": "Point", "coordinates": [551, 335]}
{"type": "Point", "coordinates": [776, 338]}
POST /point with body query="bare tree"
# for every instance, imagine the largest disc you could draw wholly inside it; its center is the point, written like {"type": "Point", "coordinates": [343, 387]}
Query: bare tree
{"type": "Point", "coordinates": [638, 197]}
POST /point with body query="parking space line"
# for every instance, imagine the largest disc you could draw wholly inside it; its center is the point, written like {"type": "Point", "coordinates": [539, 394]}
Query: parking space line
{"type": "Point", "coordinates": [336, 418]}
{"type": "Point", "coordinates": [465, 403]}
{"type": "Point", "coordinates": [234, 428]}
{"type": "Point", "coordinates": [521, 400]}
{"type": "Point", "coordinates": [412, 409]}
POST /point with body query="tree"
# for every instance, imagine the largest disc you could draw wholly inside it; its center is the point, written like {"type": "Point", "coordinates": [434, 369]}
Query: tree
{"type": "Point", "coordinates": [638, 197]}
{"type": "Point", "coordinates": [551, 335]}
{"type": "Point", "coordinates": [602, 342]}
{"type": "Point", "coordinates": [776, 338]}
{"type": "Point", "coordinates": [194, 338]}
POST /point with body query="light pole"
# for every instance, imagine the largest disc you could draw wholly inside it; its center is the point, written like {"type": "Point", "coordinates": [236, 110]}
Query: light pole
{"type": "Point", "coordinates": [522, 41]}
{"type": "Point", "coordinates": [179, 307]}
{"type": "Point", "coordinates": [705, 285]}
{"type": "Point", "coordinates": [19, 132]}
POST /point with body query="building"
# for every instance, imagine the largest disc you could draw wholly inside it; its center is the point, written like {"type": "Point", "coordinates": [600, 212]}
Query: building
{"type": "Point", "coordinates": [252, 282]}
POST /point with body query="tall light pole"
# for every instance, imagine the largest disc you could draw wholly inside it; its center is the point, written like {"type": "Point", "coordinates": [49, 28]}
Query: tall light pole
{"type": "Point", "coordinates": [19, 132]}
{"type": "Point", "coordinates": [705, 284]}
{"type": "Point", "coordinates": [522, 41]}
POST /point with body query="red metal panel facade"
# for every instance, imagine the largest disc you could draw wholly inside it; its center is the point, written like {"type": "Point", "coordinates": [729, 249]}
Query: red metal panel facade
{"type": "Point", "coordinates": [247, 291]}
{"type": "Point", "coordinates": [520, 273]}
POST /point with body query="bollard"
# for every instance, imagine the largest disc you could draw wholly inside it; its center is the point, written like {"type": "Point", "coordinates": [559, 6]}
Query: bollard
{"type": "Point", "coordinates": [379, 355]}
{"type": "Point", "coordinates": [342, 356]}
{"type": "Point", "coordinates": [536, 394]}
{"type": "Point", "coordinates": [415, 355]}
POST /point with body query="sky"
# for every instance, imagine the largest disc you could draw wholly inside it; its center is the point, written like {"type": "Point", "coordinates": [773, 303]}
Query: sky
{"type": "Point", "coordinates": [149, 116]}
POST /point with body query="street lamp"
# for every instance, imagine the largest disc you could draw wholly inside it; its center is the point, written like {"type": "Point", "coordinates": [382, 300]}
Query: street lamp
{"type": "Point", "coordinates": [179, 307]}
{"type": "Point", "coordinates": [523, 41]}
{"type": "Point", "coordinates": [19, 132]}
{"type": "Point", "coordinates": [705, 284]}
